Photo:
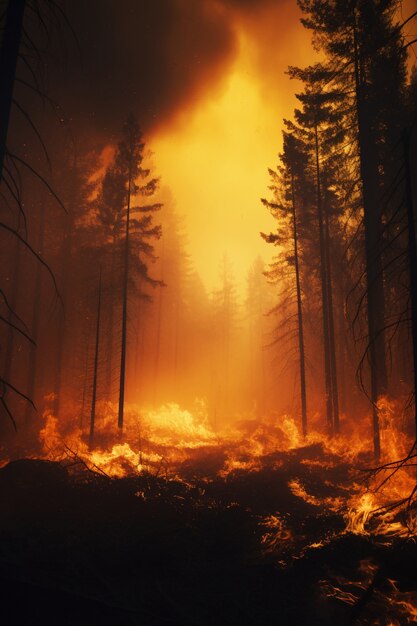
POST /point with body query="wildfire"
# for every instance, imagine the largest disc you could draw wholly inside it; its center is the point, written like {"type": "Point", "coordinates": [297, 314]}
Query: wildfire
{"type": "Point", "coordinates": [160, 441]}
{"type": "Point", "coordinates": [152, 440]}
{"type": "Point", "coordinates": [331, 478]}
{"type": "Point", "coordinates": [358, 515]}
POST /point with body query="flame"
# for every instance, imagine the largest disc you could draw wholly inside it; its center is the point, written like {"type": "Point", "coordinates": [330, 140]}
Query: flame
{"type": "Point", "coordinates": [170, 439]}
{"type": "Point", "coordinates": [370, 505]}
{"type": "Point", "coordinates": [168, 435]}
{"type": "Point", "coordinates": [276, 533]}
{"type": "Point", "coordinates": [162, 440]}
{"type": "Point", "coordinates": [358, 516]}
{"type": "Point", "coordinates": [299, 490]}
{"type": "Point", "coordinates": [152, 439]}
{"type": "Point", "coordinates": [394, 606]}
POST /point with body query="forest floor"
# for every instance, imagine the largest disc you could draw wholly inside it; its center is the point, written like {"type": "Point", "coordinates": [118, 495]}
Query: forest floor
{"type": "Point", "coordinates": [251, 548]}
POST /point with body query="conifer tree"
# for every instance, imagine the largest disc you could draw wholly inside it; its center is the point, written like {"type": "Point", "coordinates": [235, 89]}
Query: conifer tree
{"type": "Point", "coordinates": [138, 226]}
{"type": "Point", "coordinates": [366, 66]}
{"type": "Point", "coordinates": [289, 188]}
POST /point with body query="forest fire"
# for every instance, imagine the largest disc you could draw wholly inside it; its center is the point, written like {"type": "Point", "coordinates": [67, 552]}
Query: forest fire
{"type": "Point", "coordinates": [162, 442]}
{"type": "Point", "coordinates": [331, 477]}
{"type": "Point", "coordinates": [152, 440]}
{"type": "Point", "coordinates": [208, 324]}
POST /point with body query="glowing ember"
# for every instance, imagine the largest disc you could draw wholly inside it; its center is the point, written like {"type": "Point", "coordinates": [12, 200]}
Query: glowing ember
{"type": "Point", "coordinates": [398, 607]}
{"type": "Point", "coordinates": [275, 534]}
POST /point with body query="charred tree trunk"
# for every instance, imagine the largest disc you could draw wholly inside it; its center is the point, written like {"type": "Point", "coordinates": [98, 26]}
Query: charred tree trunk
{"type": "Point", "coordinates": [124, 311]}
{"type": "Point", "coordinates": [95, 376]}
{"type": "Point", "coordinates": [324, 291]}
{"type": "Point", "coordinates": [110, 336]}
{"type": "Point", "coordinates": [9, 54]}
{"type": "Point", "coordinates": [372, 227]}
{"type": "Point", "coordinates": [412, 260]}
{"type": "Point", "coordinates": [32, 365]}
{"type": "Point", "coordinates": [15, 275]}
{"type": "Point", "coordinates": [303, 391]}
{"type": "Point", "coordinates": [65, 264]}
{"type": "Point", "coordinates": [332, 341]}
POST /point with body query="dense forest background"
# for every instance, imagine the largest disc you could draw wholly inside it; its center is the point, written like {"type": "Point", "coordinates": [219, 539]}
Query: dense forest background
{"type": "Point", "coordinates": [102, 307]}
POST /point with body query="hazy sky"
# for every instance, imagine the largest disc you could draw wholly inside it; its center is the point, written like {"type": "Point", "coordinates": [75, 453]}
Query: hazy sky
{"type": "Point", "coordinates": [206, 81]}
{"type": "Point", "coordinates": [215, 153]}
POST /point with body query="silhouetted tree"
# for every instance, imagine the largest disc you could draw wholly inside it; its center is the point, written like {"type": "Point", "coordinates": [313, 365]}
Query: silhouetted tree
{"type": "Point", "coordinates": [364, 47]}
{"type": "Point", "coordinates": [138, 231]}
{"type": "Point", "coordinates": [288, 185]}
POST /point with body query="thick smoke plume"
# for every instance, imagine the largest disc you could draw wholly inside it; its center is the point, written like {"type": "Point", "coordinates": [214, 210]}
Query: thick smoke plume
{"type": "Point", "coordinates": [153, 56]}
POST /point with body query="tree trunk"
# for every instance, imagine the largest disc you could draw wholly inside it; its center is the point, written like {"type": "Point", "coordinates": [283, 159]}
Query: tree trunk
{"type": "Point", "coordinates": [124, 314]}
{"type": "Point", "coordinates": [15, 282]}
{"type": "Point", "coordinates": [32, 365]}
{"type": "Point", "coordinates": [412, 260]}
{"type": "Point", "coordinates": [332, 342]}
{"type": "Point", "coordinates": [9, 54]}
{"type": "Point", "coordinates": [300, 317]}
{"type": "Point", "coordinates": [110, 336]}
{"type": "Point", "coordinates": [372, 227]}
{"type": "Point", "coordinates": [324, 292]}
{"type": "Point", "coordinates": [63, 321]}
{"type": "Point", "coordinates": [96, 355]}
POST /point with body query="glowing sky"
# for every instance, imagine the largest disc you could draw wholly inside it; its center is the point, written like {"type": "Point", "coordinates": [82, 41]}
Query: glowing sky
{"type": "Point", "coordinates": [215, 156]}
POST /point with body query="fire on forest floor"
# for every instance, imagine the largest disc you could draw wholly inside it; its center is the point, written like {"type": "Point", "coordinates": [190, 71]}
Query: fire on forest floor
{"type": "Point", "coordinates": [309, 501]}
{"type": "Point", "coordinates": [175, 443]}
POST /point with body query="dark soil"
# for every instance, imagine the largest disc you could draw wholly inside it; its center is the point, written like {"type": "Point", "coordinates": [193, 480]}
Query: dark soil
{"type": "Point", "coordinates": [78, 548]}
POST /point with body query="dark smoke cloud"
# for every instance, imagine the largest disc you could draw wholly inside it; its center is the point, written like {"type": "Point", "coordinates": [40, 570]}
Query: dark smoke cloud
{"type": "Point", "coordinates": [150, 56]}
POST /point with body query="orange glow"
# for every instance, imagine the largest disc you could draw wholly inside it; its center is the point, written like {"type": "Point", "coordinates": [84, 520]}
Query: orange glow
{"type": "Point", "coordinates": [395, 603]}
{"type": "Point", "coordinates": [211, 350]}
{"type": "Point", "coordinates": [161, 440]}
{"type": "Point", "coordinates": [215, 155]}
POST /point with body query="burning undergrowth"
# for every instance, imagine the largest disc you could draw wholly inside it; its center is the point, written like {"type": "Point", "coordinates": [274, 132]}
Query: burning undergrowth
{"type": "Point", "coordinates": [176, 523]}
{"type": "Point", "coordinates": [333, 475]}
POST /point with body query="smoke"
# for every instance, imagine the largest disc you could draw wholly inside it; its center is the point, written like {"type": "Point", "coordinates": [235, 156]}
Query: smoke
{"type": "Point", "coordinates": [151, 56]}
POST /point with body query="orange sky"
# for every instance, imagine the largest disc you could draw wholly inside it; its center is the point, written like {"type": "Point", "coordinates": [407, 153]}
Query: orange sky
{"type": "Point", "coordinates": [214, 157]}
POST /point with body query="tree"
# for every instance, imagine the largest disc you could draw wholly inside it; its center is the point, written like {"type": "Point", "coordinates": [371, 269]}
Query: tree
{"type": "Point", "coordinates": [315, 130]}
{"type": "Point", "coordinates": [14, 167]}
{"type": "Point", "coordinates": [96, 357]}
{"type": "Point", "coordinates": [128, 169]}
{"type": "Point", "coordinates": [9, 53]}
{"type": "Point", "coordinates": [109, 208]}
{"type": "Point", "coordinates": [288, 185]}
{"type": "Point", "coordinates": [364, 46]}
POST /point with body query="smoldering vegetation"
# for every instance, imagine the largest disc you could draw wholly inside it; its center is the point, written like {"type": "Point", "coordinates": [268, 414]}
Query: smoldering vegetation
{"type": "Point", "coordinates": [82, 548]}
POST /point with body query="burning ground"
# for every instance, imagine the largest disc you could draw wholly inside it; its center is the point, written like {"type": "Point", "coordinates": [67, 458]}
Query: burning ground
{"type": "Point", "coordinates": [178, 524]}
